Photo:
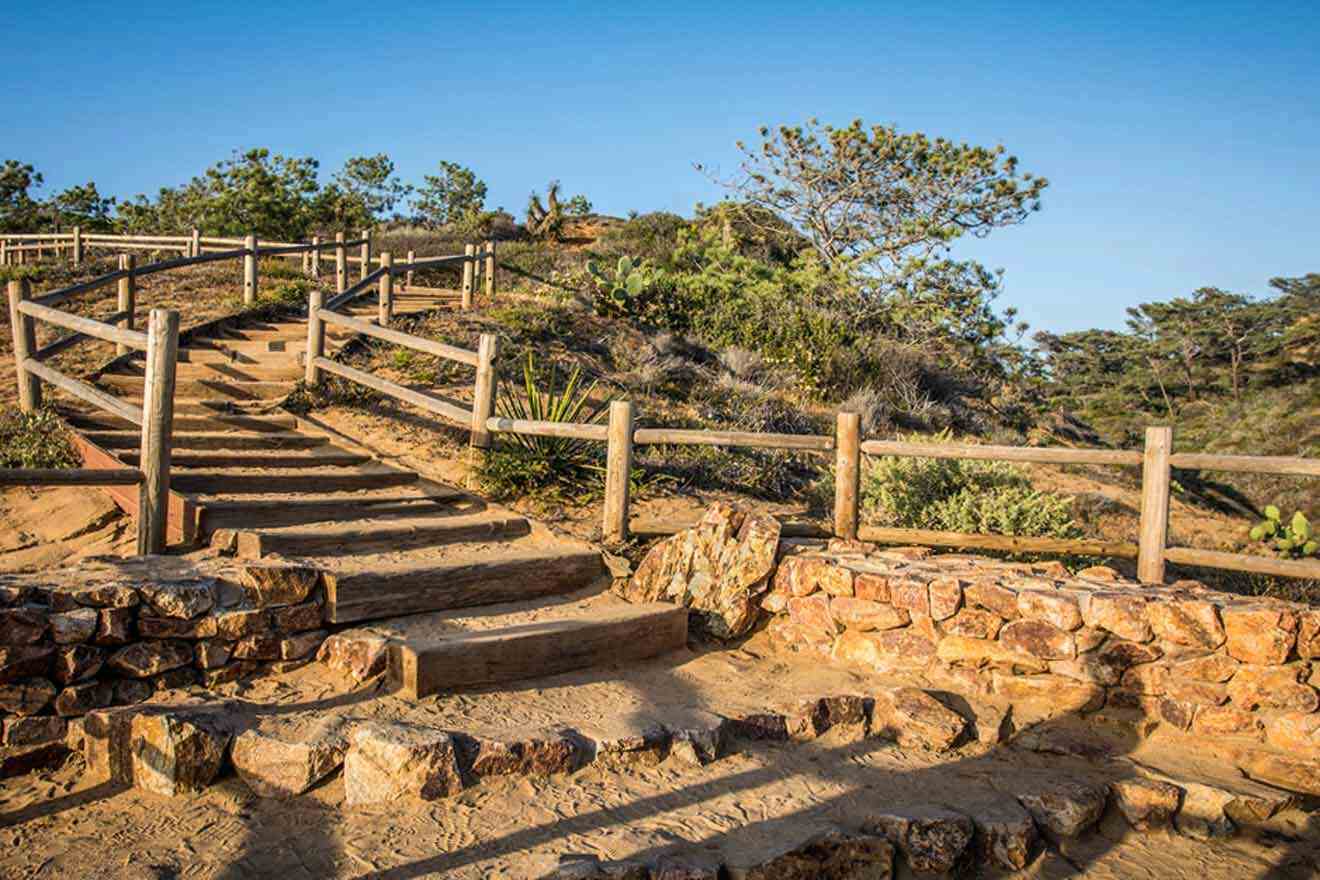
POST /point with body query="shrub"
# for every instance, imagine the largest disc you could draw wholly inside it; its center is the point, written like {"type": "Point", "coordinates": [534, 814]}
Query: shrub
{"type": "Point", "coordinates": [977, 497]}
{"type": "Point", "coordinates": [1294, 538]}
{"type": "Point", "coordinates": [35, 440]}
{"type": "Point", "coordinates": [872, 408]}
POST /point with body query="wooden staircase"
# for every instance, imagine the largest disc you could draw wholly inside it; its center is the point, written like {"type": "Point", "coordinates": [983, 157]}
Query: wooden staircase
{"type": "Point", "coordinates": [263, 482]}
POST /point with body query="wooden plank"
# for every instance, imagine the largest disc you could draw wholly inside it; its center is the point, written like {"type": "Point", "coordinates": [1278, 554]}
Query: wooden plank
{"type": "Point", "coordinates": [1116, 457]}
{"type": "Point", "coordinates": [683, 437]}
{"type": "Point", "coordinates": [356, 538]}
{"type": "Point", "coordinates": [393, 389]}
{"type": "Point", "coordinates": [1247, 464]}
{"type": "Point", "coordinates": [847, 474]}
{"type": "Point", "coordinates": [68, 477]}
{"type": "Point", "coordinates": [429, 346]}
{"type": "Point", "coordinates": [606, 637]}
{"type": "Point", "coordinates": [1153, 532]}
{"type": "Point", "coordinates": [83, 391]}
{"type": "Point", "coordinates": [273, 460]}
{"type": "Point", "coordinates": [184, 440]}
{"type": "Point", "coordinates": [1294, 568]}
{"type": "Point", "coordinates": [55, 297]}
{"type": "Point", "coordinates": [213, 482]}
{"type": "Point", "coordinates": [382, 590]}
{"type": "Point", "coordinates": [234, 513]}
{"type": "Point", "coordinates": [181, 526]}
{"type": "Point", "coordinates": [1009, 543]}
{"type": "Point", "coordinates": [572, 430]}
{"type": "Point", "coordinates": [658, 528]}
{"type": "Point", "coordinates": [193, 386]}
{"type": "Point", "coordinates": [86, 326]}
{"type": "Point", "coordinates": [97, 421]}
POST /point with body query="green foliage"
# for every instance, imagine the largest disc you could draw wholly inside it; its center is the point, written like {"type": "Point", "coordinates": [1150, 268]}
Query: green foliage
{"type": "Point", "coordinates": [19, 212]}
{"type": "Point", "coordinates": [1294, 538]}
{"type": "Point", "coordinates": [454, 197]}
{"type": "Point", "coordinates": [35, 440]}
{"type": "Point", "coordinates": [546, 221]}
{"type": "Point", "coordinates": [578, 206]}
{"type": "Point", "coordinates": [619, 293]}
{"type": "Point", "coordinates": [975, 497]}
{"type": "Point", "coordinates": [523, 464]}
{"type": "Point", "coordinates": [363, 191]}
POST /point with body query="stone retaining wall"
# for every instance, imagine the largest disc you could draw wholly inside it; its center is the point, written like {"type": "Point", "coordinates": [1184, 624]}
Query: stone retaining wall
{"type": "Point", "coordinates": [115, 633]}
{"type": "Point", "coordinates": [1233, 670]}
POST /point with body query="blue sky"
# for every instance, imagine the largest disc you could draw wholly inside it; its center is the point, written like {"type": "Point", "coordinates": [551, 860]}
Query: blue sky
{"type": "Point", "coordinates": [1180, 139]}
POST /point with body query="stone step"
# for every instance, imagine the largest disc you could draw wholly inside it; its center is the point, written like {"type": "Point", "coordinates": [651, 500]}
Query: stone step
{"type": "Point", "coordinates": [212, 481]}
{"type": "Point", "coordinates": [368, 588]}
{"type": "Point", "coordinates": [358, 537]}
{"type": "Point", "coordinates": [265, 459]}
{"type": "Point", "coordinates": [620, 634]}
{"type": "Point", "coordinates": [238, 511]}
{"type": "Point", "coordinates": [195, 440]}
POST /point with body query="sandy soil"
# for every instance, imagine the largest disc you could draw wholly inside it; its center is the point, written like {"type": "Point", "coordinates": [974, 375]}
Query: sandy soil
{"type": "Point", "coordinates": [41, 527]}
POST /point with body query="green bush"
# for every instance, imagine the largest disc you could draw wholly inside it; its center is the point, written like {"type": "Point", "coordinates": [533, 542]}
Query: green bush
{"type": "Point", "coordinates": [976, 497]}
{"type": "Point", "coordinates": [1294, 538]}
{"type": "Point", "coordinates": [35, 440]}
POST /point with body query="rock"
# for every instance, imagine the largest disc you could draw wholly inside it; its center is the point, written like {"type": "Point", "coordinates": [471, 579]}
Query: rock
{"type": "Point", "coordinates": [1098, 573]}
{"type": "Point", "coordinates": [1005, 832]}
{"type": "Point", "coordinates": [833, 855]}
{"type": "Point", "coordinates": [1036, 638]}
{"type": "Point", "coordinates": [1175, 712]}
{"type": "Point", "coordinates": [24, 661]}
{"type": "Point", "coordinates": [978, 653]}
{"type": "Point", "coordinates": [880, 652]}
{"type": "Point", "coordinates": [111, 594]}
{"type": "Point", "coordinates": [76, 662]}
{"type": "Point", "coordinates": [22, 760]}
{"type": "Point", "coordinates": [1259, 634]}
{"type": "Point", "coordinates": [1288, 772]}
{"type": "Point", "coordinates": [540, 753]}
{"type": "Point", "coordinates": [1308, 634]}
{"type": "Point", "coordinates": [915, 719]}
{"type": "Point", "coordinates": [992, 597]}
{"type": "Point", "coordinates": [865, 615]}
{"type": "Point", "coordinates": [277, 768]}
{"type": "Point", "coordinates": [1064, 808]}
{"type": "Point", "coordinates": [12, 593]}
{"type": "Point", "coordinates": [585, 866]}
{"type": "Point", "coordinates": [26, 697]}
{"type": "Point", "coordinates": [1212, 667]}
{"type": "Point", "coordinates": [183, 599]}
{"type": "Point", "coordinates": [689, 866]}
{"type": "Point", "coordinates": [946, 596]}
{"type": "Point", "coordinates": [79, 699]}
{"type": "Point", "coordinates": [1088, 638]}
{"type": "Point", "coordinates": [1202, 693]}
{"type": "Point", "coordinates": [1061, 695]}
{"type": "Point", "coordinates": [264, 646]}
{"type": "Point", "coordinates": [229, 673]}
{"type": "Point", "coordinates": [269, 584]}
{"type": "Point", "coordinates": [873, 587]}
{"type": "Point", "coordinates": [759, 727]}
{"type": "Point", "coordinates": [905, 649]}
{"type": "Point", "coordinates": [22, 626]}
{"type": "Point", "coordinates": [133, 690]}
{"type": "Point", "coordinates": [174, 628]}
{"type": "Point", "coordinates": [1146, 803]}
{"type": "Point", "coordinates": [388, 761]}
{"type": "Point", "coordinates": [1147, 678]}
{"type": "Point", "coordinates": [107, 736]}
{"type": "Point", "coordinates": [1193, 623]}
{"type": "Point", "coordinates": [174, 679]}
{"type": "Point", "coordinates": [1272, 687]}
{"type": "Point", "coordinates": [793, 637]}
{"type": "Point", "coordinates": [1055, 608]}
{"type": "Point", "coordinates": [114, 626]}
{"type": "Point", "coordinates": [234, 625]}
{"type": "Point", "coordinates": [1123, 614]}
{"type": "Point", "coordinates": [1202, 815]}
{"type": "Point", "coordinates": [646, 744]}
{"type": "Point", "coordinates": [911, 595]}
{"type": "Point", "coordinates": [808, 719]}
{"type": "Point", "coordinates": [357, 654]}
{"type": "Point", "coordinates": [34, 730]}
{"type": "Point", "coordinates": [176, 752]}
{"type": "Point", "coordinates": [833, 580]}
{"type": "Point", "coordinates": [933, 839]}
{"type": "Point", "coordinates": [145, 659]}
{"type": "Point", "coordinates": [698, 739]}
{"type": "Point", "coordinates": [297, 618]}
{"type": "Point", "coordinates": [302, 644]}
{"type": "Point", "coordinates": [73, 627]}
{"type": "Point", "coordinates": [1295, 732]}
{"type": "Point", "coordinates": [211, 654]}
{"type": "Point", "coordinates": [813, 613]}
{"type": "Point", "coordinates": [973, 623]}
{"type": "Point", "coordinates": [799, 575]}
{"type": "Point", "coordinates": [719, 568]}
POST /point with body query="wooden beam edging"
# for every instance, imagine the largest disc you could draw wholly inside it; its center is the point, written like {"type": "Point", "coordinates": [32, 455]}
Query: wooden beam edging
{"type": "Point", "coordinates": [569, 430]}
{"type": "Point", "coordinates": [85, 326]}
{"type": "Point", "coordinates": [1296, 568]}
{"type": "Point", "coordinates": [83, 391]}
{"type": "Point", "coordinates": [55, 297]}
{"type": "Point", "coordinates": [1247, 464]}
{"type": "Point", "coordinates": [1009, 543]}
{"type": "Point", "coordinates": [683, 437]}
{"type": "Point", "coordinates": [349, 294]}
{"type": "Point", "coordinates": [1033, 454]}
{"type": "Point", "coordinates": [431, 263]}
{"type": "Point", "coordinates": [655, 528]}
{"type": "Point", "coordinates": [392, 389]}
{"type": "Point", "coordinates": [69, 477]}
{"type": "Point", "coordinates": [184, 514]}
{"type": "Point", "coordinates": [51, 349]}
{"type": "Point", "coordinates": [429, 346]}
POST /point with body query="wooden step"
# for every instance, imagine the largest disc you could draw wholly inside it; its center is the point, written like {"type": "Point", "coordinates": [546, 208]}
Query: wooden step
{"type": "Point", "coordinates": [272, 459]}
{"type": "Point", "coordinates": [224, 371]}
{"type": "Point", "coordinates": [287, 334]}
{"type": "Point", "coordinates": [235, 512]}
{"type": "Point", "coordinates": [605, 637]}
{"type": "Point", "coordinates": [216, 421]}
{"type": "Point", "coordinates": [204, 406]}
{"type": "Point", "coordinates": [388, 588]}
{"type": "Point", "coordinates": [277, 482]}
{"type": "Point", "coordinates": [212, 440]}
{"type": "Point", "coordinates": [357, 538]}
{"type": "Point", "coordinates": [186, 387]}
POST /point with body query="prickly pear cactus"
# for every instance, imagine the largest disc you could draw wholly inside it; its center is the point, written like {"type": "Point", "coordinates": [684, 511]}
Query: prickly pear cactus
{"type": "Point", "coordinates": [1294, 538]}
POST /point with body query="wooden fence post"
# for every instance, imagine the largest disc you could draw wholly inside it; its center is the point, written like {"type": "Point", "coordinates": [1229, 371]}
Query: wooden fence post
{"type": "Point", "coordinates": [847, 474]}
{"type": "Point", "coordinates": [127, 298]}
{"type": "Point", "coordinates": [4, 252]}
{"type": "Point", "coordinates": [250, 270]}
{"type": "Point", "coordinates": [25, 342]}
{"type": "Point", "coordinates": [341, 264]}
{"type": "Point", "coordinates": [77, 246]}
{"type": "Point", "coordinates": [315, 337]}
{"type": "Point", "coordinates": [195, 247]}
{"type": "Point", "coordinates": [618, 471]}
{"type": "Point", "coordinates": [385, 308]}
{"type": "Point", "coordinates": [316, 257]}
{"type": "Point", "coordinates": [490, 269]}
{"type": "Point", "coordinates": [408, 279]}
{"type": "Point", "coordinates": [483, 398]}
{"type": "Point", "coordinates": [469, 251]}
{"type": "Point", "coordinates": [1155, 486]}
{"type": "Point", "coordinates": [366, 254]}
{"type": "Point", "coordinates": [157, 429]}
